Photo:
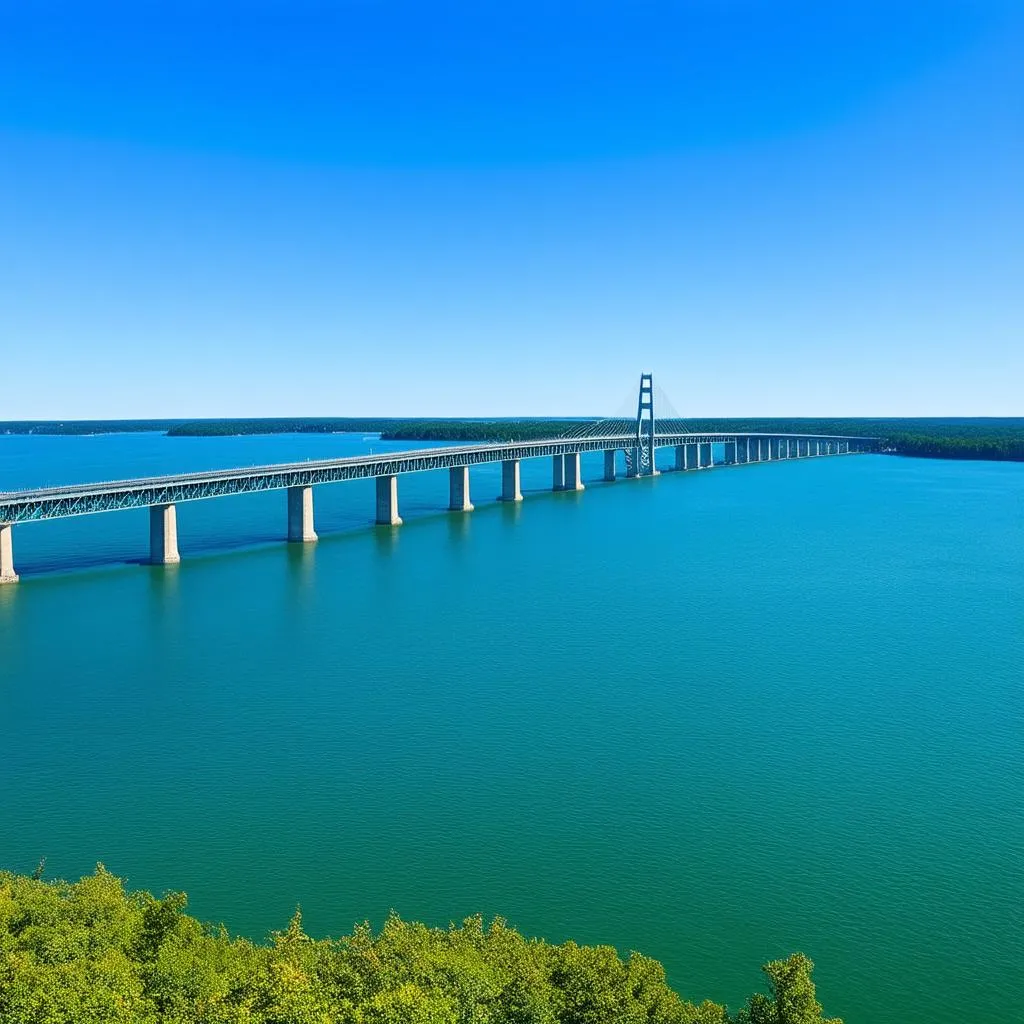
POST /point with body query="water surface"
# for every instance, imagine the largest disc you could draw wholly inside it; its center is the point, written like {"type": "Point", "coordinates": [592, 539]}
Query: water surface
{"type": "Point", "coordinates": [715, 717]}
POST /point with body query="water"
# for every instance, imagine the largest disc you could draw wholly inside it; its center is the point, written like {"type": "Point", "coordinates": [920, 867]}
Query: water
{"type": "Point", "coordinates": [715, 717]}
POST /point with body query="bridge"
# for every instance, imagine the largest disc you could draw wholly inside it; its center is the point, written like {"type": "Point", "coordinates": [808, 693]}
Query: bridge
{"type": "Point", "coordinates": [162, 494]}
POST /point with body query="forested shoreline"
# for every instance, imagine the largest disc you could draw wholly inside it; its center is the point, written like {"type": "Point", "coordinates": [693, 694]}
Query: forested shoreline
{"type": "Point", "coordinates": [982, 438]}
{"type": "Point", "coordinates": [92, 951]}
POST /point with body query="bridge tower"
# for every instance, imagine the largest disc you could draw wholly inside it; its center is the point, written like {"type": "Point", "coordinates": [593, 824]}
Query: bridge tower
{"type": "Point", "coordinates": [643, 454]}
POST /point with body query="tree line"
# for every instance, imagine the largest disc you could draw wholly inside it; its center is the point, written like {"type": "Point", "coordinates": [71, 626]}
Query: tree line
{"type": "Point", "coordinates": [953, 438]}
{"type": "Point", "coordinates": [91, 951]}
{"type": "Point", "coordinates": [990, 438]}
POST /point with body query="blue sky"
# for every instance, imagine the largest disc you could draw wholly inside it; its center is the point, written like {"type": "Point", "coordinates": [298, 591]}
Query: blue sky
{"type": "Point", "coordinates": [270, 208]}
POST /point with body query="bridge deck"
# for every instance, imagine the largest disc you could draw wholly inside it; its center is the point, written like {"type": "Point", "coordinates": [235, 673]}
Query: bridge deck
{"type": "Point", "coordinates": [82, 499]}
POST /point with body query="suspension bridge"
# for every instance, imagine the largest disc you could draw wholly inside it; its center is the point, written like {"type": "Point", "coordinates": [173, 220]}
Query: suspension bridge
{"type": "Point", "coordinates": [638, 439]}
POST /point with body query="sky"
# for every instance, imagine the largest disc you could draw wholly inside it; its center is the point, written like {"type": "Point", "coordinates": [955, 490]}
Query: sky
{"type": "Point", "coordinates": [269, 208]}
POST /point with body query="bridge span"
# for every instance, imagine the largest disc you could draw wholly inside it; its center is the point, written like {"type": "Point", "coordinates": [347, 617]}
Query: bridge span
{"type": "Point", "coordinates": [162, 494]}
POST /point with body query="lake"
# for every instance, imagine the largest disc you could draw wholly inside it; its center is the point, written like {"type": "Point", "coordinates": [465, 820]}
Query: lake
{"type": "Point", "coordinates": [715, 717]}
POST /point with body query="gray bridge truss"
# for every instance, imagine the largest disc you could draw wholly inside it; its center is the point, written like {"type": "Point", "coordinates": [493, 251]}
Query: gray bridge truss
{"type": "Point", "coordinates": [162, 494]}
{"type": "Point", "coordinates": [83, 499]}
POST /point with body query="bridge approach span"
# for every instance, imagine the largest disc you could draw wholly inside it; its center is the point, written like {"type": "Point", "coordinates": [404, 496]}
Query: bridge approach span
{"type": "Point", "coordinates": [161, 494]}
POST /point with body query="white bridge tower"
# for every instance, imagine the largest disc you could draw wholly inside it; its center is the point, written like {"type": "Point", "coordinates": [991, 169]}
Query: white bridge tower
{"type": "Point", "coordinates": [643, 453]}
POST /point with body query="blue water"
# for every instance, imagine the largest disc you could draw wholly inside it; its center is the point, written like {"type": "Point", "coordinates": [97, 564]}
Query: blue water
{"type": "Point", "coordinates": [715, 717]}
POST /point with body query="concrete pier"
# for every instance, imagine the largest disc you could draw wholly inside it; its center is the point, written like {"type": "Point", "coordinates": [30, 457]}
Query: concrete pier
{"type": "Point", "coordinates": [609, 466]}
{"type": "Point", "coordinates": [558, 472]}
{"type": "Point", "coordinates": [163, 535]}
{"type": "Point", "coordinates": [458, 490]}
{"type": "Point", "coordinates": [572, 476]}
{"type": "Point", "coordinates": [300, 515]}
{"type": "Point", "coordinates": [387, 501]}
{"type": "Point", "coordinates": [510, 481]}
{"type": "Point", "coordinates": [7, 573]}
{"type": "Point", "coordinates": [681, 457]}
{"type": "Point", "coordinates": [709, 455]}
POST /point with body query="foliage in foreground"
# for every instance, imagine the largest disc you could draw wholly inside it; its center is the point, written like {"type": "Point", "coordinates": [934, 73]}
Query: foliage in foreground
{"type": "Point", "coordinates": [91, 952]}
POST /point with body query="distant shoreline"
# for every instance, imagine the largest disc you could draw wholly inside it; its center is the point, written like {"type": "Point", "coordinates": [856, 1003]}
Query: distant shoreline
{"type": "Point", "coordinates": [990, 439]}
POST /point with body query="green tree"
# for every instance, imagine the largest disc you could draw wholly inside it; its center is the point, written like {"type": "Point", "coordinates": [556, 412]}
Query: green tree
{"type": "Point", "coordinates": [793, 999]}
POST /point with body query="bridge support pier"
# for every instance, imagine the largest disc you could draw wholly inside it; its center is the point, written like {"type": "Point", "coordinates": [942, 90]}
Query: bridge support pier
{"type": "Point", "coordinates": [571, 472]}
{"type": "Point", "coordinates": [609, 466]}
{"type": "Point", "coordinates": [7, 573]}
{"type": "Point", "coordinates": [510, 481]}
{"type": "Point", "coordinates": [681, 457]}
{"type": "Point", "coordinates": [710, 453]}
{"type": "Point", "coordinates": [387, 501]}
{"type": "Point", "coordinates": [558, 472]}
{"type": "Point", "coordinates": [458, 489]}
{"type": "Point", "coordinates": [300, 515]}
{"type": "Point", "coordinates": [163, 535]}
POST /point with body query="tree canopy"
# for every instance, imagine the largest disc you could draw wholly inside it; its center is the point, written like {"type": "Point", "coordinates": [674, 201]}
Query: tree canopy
{"type": "Point", "coordinates": [91, 952]}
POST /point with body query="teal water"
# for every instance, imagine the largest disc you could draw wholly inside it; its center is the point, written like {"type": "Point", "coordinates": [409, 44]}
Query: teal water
{"type": "Point", "coordinates": [714, 717]}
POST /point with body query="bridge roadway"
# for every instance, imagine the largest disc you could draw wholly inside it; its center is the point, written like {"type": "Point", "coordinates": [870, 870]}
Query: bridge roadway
{"type": "Point", "coordinates": [161, 494]}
